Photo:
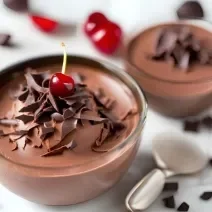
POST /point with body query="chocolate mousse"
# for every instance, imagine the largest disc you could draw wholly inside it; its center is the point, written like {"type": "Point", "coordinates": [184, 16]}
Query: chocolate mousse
{"type": "Point", "coordinates": [172, 62]}
{"type": "Point", "coordinates": [67, 144]}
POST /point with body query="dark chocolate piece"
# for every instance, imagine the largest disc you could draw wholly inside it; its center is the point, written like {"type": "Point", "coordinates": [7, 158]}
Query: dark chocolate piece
{"type": "Point", "coordinates": [169, 202]}
{"type": "Point", "coordinates": [170, 186]}
{"type": "Point", "coordinates": [210, 161]}
{"type": "Point", "coordinates": [53, 102]}
{"type": "Point", "coordinates": [207, 122]}
{"type": "Point", "coordinates": [46, 132]}
{"type": "Point", "coordinates": [57, 117]}
{"type": "Point", "coordinates": [206, 195]}
{"type": "Point", "coordinates": [25, 118]}
{"type": "Point", "coordinates": [192, 126]}
{"type": "Point", "coordinates": [183, 207]}
{"type": "Point", "coordinates": [16, 5]}
{"type": "Point", "coordinates": [61, 149]}
{"type": "Point", "coordinates": [190, 10]}
{"type": "Point", "coordinates": [30, 108]}
{"type": "Point", "coordinates": [68, 126]}
{"type": "Point", "coordinates": [4, 39]}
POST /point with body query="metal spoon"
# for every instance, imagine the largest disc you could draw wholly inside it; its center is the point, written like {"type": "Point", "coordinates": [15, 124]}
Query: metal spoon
{"type": "Point", "coordinates": [174, 154]}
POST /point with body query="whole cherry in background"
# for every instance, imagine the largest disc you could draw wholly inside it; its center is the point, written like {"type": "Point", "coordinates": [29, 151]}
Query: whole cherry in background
{"type": "Point", "coordinates": [61, 84]}
{"type": "Point", "coordinates": [104, 34]}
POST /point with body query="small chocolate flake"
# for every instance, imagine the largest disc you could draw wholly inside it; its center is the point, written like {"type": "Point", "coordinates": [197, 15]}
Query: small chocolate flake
{"type": "Point", "coordinates": [190, 10]}
{"type": "Point", "coordinates": [68, 126]}
{"type": "Point", "coordinates": [53, 102]}
{"type": "Point", "coordinates": [15, 146]}
{"type": "Point", "coordinates": [57, 117]}
{"type": "Point", "coordinates": [25, 118]}
{"type": "Point", "coordinates": [183, 207]}
{"type": "Point", "coordinates": [16, 5]}
{"type": "Point", "coordinates": [169, 202]}
{"type": "Point", "coordinates": [30, 108]}
{"type": "Point", "coordinates": [170, 186]}
{"type": "Point", "coordinates": [206, 195]}
{"type": "Point", "coordinates": [207, 122]}
{"type": "Point", "coordinates": [192, 126]}
{"type": "Point", "coordinates": [4, 39]}
{"type": "Point", "coordinates": [46, 132]}
{"type": "Point", "coordinates": [1, 132]}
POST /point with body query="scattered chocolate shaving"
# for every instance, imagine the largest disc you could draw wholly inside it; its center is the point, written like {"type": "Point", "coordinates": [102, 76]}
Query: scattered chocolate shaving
{"type": "Point", "coordinates": [170, 186]}
{"type": "Point", "coordinates": [60, 150]}
{"type": "Point", "coordinates": [94, 119]}
{"type": "Point", "coordinates": [183, 207]}
{"type": "Point", "coordinates": [31, 108]}
{"type": "Point", "coordinates": [25, 118]}
{"type": "Point", "coordinates": [16, 5]}
{"type": "Point", "coordinates": [169, 202]}
{"type": "Point", "coordinates": [206, 195]}
{"type": "Point", "coordinates": [207, 122]}
{"type": "Point", "coordinates": [53, 102]}
{"type": "Point", "coordinates": [190, 10]}
{"type": "Point", "coordinates": [178, 44]}
{"type": "Point", "coordinates": [4, 39]}
{"type": "Point", "coordinates": [15, 146]}
{"type": "Point", "coordinates": [1, 133]}
{"type": "Point", "coordinates": [192, 126]}
{"type": "Point", "coordinates": [46, 132]}
{"type": "Point", "coordinates": [23, 96]}
{"type": "Point", "coordinates": [26, 141]}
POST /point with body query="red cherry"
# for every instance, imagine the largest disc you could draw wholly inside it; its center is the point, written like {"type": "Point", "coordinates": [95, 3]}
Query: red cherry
{"type": "Point", "coordinates": [61, 85]}
{"type": "Point", "coordinates": [43, 23]}
{"type": "Point", "coordinates": [94, 21]}
{"type": "Point", "coordinates": [107, 38]}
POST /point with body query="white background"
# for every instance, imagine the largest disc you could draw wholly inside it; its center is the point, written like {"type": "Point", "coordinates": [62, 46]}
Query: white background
{"type": "Point", "coordinates": [131, 15]}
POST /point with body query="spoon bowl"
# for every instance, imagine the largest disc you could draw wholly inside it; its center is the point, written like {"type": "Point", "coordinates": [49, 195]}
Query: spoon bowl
{"type": "Point", "coordinates": [177, 153]}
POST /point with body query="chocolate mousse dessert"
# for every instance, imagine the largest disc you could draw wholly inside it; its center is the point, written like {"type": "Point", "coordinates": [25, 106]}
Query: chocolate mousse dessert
{"type": "Point", "coordinates": [173, 63]}
{"type": "Point", "coordinates": [61, 133]}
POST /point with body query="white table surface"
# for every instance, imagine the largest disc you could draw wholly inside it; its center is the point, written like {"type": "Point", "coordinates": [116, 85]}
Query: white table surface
{"type": "Point", "coordinates": [31, 42]}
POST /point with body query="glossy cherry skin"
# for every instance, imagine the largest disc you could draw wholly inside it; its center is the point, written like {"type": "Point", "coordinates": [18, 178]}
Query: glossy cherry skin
{"type": "Point", "coordinates": [44, 24]}
{"type": "Point", "coordinates": [61, 85]}
{"type": "Point", "coordinates": [107, 38]}
{"type": "Point", "coordinates": [93, 22]}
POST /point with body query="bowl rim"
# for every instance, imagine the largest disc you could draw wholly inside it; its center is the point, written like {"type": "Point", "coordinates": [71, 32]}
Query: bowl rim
{"type": "Point", "coordinates": [116, 71]}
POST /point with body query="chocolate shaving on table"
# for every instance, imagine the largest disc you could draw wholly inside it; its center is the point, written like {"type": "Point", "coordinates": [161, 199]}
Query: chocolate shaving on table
{"type": "Point", "coordinates": [61, 149]}
{"type": "Point", "coordinates": [15, 146]}
{"type": "Point", "coordinates": [30, 108]}
{"type": "Point", "coordinates": [192, 126]}
{"type": "Point", "coordinates": [178, 44]}
{"type": "Point", "coordinates": [169, 202]}
{"type": "Point", "coordinates": [46, 132]}
{"type": "Point", "coordinates": [25, 118]}
{"type": "Point", "coordinates": [68, 126]}
{"type": "Point", "coordinates": [206, 195]}
{"type": "Point", "coordinates": [4, 39]}
{"type": "Point", "coordinates": [183, 207]}
{"type": "Point", "coordinates": [190, 10]}
{"type": "Point", "coordinates": [170, 186]}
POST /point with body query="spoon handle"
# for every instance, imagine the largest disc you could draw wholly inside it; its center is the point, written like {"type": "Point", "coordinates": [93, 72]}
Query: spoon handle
{"type": "Point", "coordinates": [146, 191]}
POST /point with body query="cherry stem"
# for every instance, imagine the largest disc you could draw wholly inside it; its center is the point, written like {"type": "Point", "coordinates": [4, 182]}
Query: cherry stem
{"type": "Point", "coordinates": [64, 58]}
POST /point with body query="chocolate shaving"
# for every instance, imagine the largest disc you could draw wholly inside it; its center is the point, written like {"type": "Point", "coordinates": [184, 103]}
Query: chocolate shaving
{"type": "Point", "coordinates": [15, 146]}
{"type": "Point", "coordinates": [46, 132]}
{"type": "Point", "coordinates": [1, 133]}
{"type": "Point", "coordinates": [18, 6]}
{"type": "Point", "coordinates": [190, 10]}
{"type": "Point", "coordinates": [207, 122]}
{"type": "Point", "coordinates": [31, 108]}
{"type": "Point", "coordinates": [60, 150]}
{"type": "Point", "coordinates": [25, 118]}
{"type": "Point", "coordinates": [23, 96]}
{"type": "Point", "coordinates": [53, 102]}
{"type": "Point", "coordinates": [192, 126]}
{"type": "Point", "coordinates": [68, 126]}
{"type": "Point", "coordinates": [4, 39]}
{"type": "Point", "coordinates": [183, 207]}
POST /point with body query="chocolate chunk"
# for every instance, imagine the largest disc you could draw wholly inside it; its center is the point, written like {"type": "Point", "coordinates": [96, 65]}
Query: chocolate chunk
{"type": "Point", "coordinates": [70, 112]}
{"type": "Point", "coordinates": [169, 202]}
{"type": "Point", "coordinates": [170, 186]}
{"type": "Point", "coordinates": [183, 207]}
{"type": "Point", "coordinates": [46, 132]}
{"type": "Point", "coordinates": [25, 118]}
{"type": "Point", "coordinates": [190, 10]}
{"type": "Point", "coordinates": [192, 126]}
{"type": "Point", "coordinates": [4, 39]}
{"type": "Point", "coordinates": [60, 150]}
{"type": "Point", "coordinates": [207, 122]}
{"type": "Point", "coordinates": [16, 5]}
{"type": "Point", "coordinates": [57, 117]}
{"type": "Point", "coordinates": [206, 195]}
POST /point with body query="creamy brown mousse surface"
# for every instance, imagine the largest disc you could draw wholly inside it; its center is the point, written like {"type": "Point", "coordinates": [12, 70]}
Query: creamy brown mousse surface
{"type": "Point", "coordinates": [34, 151]}
{"type": "Point", "coordinates": [143, 47]}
